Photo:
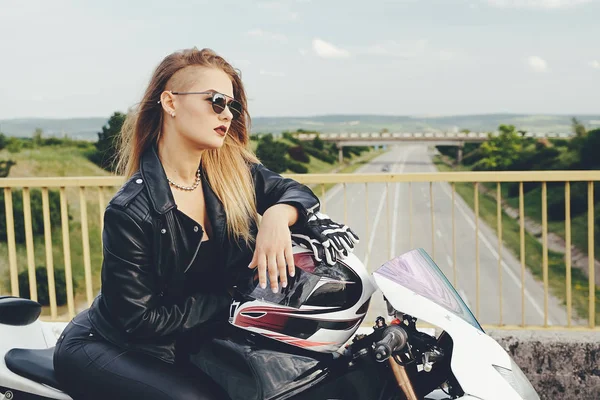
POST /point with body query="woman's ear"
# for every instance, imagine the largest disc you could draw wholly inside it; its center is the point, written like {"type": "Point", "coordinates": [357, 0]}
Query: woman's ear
{"type": "Point", "coordinates": [167, 100]}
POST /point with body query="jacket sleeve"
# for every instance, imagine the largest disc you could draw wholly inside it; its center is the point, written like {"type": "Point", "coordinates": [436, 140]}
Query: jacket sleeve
{"type": "Point", "coordinates": [130, 286]}
{"type": "Point", "coordinates": [272, 188]}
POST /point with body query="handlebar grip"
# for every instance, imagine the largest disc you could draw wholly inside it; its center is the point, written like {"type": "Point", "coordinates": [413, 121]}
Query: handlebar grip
{"type": "Point", "coordinates": [394, 339]}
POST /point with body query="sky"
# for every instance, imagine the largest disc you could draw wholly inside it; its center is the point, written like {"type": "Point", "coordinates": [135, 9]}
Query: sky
{"type": "Point", "coordinates": [68, 59]}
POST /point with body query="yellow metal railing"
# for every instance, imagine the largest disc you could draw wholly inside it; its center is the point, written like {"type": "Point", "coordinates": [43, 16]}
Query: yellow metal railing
{"type": "Point", "coordinates": [82, 189]}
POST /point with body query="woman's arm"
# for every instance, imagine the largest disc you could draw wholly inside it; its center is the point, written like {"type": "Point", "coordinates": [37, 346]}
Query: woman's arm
{"type": "Point", "coordinates": [130, 286]}
{"type": "Point", "coordinates": [273, 189]}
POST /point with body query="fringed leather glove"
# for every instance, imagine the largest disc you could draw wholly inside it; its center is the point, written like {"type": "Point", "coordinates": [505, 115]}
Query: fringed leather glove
{"type": "Point", "coordinates": [327, 239]}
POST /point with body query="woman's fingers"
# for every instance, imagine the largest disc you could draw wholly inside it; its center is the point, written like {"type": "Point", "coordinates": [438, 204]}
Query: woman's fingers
{"type": "Point", "coordinates": [289, 258]}
{"type": "Point", "coordinates": [273, 271]}
{"type": "Point", "coordinates": [281, 268]}
{"type": "Point", "coordinates": [262, 270]}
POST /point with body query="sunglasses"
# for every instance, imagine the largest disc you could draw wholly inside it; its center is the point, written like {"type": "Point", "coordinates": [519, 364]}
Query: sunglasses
{"type": "Point", "coordinates": [219, 102]}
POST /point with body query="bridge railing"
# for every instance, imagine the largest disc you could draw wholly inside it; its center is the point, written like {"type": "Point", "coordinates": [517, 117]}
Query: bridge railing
{"type": "Point", "coordinates": [337, 136]}
{"type": "Point", "coordinates": [58, 261]}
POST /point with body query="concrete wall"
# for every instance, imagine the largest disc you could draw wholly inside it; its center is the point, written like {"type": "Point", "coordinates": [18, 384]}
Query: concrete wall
{"type": "Point", "coordinates": [560, 364]}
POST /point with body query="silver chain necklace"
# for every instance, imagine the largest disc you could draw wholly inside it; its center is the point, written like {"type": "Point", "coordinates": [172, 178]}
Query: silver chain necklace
{"type": "Point", "coordinates": [187, 188]}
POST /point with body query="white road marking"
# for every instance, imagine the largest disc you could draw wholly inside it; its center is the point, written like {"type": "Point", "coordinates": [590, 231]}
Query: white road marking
{"type": "Point", "coordinates": [487, 244]}
{"type": "Point", "coordinates": [395, 214]}
{"type": "Point", "coordinates": [438, 233]}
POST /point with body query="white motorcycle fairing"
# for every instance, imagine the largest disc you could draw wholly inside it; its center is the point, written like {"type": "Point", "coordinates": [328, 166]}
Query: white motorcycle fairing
{"type": "Point", "coordinates": [413, 284]}
{"type": "Point", "coordinates": [33, 336]}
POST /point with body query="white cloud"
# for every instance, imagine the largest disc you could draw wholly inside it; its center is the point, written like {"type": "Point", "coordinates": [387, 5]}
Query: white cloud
{"type": "Point", "coordinates": [272, 73]}
{"type": "Point", "coordinates": [392, 48]}
{"type": "Point", "coordinates": [537, 64]}
{"type": "Point", "coordinates": [540, 4]}
{"type": "Point", "coordinates": [259, 33]}
{"type": "Point", "coordinates": [328, 50]}
{"type": "Point", "coordinates": [595, 64]}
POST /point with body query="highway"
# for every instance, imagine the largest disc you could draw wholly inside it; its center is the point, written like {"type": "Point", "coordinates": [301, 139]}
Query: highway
{"type": "Point", "coordinates": [385, 233]}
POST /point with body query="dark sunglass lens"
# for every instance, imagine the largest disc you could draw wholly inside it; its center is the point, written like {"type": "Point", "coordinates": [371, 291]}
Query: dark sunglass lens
{"type": "Point", "coordinates": [236, 108]}
{"type": "Point", "coordinates": [218, 103]}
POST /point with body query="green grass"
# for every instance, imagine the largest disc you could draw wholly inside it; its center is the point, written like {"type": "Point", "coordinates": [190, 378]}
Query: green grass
{"type": "Point", "coordinates": [533, 248]}
{"type": "Point", "coordinates": [59, 161]}
{"type": "Point", "coordinates": [51, 161]}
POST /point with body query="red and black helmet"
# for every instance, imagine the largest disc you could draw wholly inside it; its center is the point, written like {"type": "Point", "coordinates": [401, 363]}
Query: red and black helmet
{"type": "Point", "coordinates": [320, 309]}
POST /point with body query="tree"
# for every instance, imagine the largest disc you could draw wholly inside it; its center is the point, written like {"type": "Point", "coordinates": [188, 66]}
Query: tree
{"type": "Point", "coordinates": [577, 127]}
{"type": "Point", "coordinates": [14, 145]}
{"type": "Point", "coordinates": [318, 143]}
{"type": "Point", "coordinates": [588, 153]}
{"type": "Point", "coordinates": [500, 152]}
{"type": "Point", "coordinates": [37, 137]}
{"type": "Point", "coordinates": [106, 146]}
{"type": "Point", "coordinates": [3, 141]}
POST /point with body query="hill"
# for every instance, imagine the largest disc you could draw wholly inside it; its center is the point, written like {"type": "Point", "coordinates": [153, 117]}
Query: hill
{"type": "Point", "coordinates": [87, 128]}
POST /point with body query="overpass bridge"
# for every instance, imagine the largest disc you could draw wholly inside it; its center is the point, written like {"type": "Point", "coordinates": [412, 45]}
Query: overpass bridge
{"type": "Point", "coordinates": [436, 138]}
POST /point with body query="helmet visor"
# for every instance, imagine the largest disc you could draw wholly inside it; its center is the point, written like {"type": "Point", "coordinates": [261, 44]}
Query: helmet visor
{"type": "Point", "coordinates": [299, 287]}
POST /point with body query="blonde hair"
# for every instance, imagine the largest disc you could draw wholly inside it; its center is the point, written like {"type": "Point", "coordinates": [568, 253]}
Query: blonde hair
{"type": "Point", "coordinates": [226, 168]}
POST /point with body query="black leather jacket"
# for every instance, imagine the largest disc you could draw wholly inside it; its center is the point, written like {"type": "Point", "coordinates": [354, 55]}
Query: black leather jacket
{"type": "Point", "coordinates": [147, 249]}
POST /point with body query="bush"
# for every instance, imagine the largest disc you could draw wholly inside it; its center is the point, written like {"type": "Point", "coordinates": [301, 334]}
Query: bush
{"type": "Point", "coordinates": [5, 166]}
{"type": "Point", "coordinates": [37, 215]}
{"type": "Point", "coordinates": [41, 276]}
{"type": "Point", "coordinates": [318, 143]}
{"type": "Point", "coordinates": [471, 157]}
{"type": "Point", "coordinates": [289, 136]}
{"type": "Point", "coordinates": [448, 151]}
{"type": "Point", "coordinates": [14, 145]}
{"type": "Point", "coordinates": [357, 150]}
{"type": "Point", "coordinates": [297, 167]}
{"type": "Point", "coordinates": [297, 153]}
{"type": "Point", "coordinates": [3, 141]}
{"type": "Point", "coordinates": [272, 153]}
{"type": "Point", "coordinates": [320, 154]}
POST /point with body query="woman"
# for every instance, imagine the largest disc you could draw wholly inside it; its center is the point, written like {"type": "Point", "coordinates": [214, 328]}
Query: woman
{"type": "Point", "coordinates": [179, 232]}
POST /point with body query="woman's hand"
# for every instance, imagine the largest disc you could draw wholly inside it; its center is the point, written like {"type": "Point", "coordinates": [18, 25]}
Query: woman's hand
{"type": "Point", "coordinates": [327, 239]}
{"type": "Point", "coordinates": [274, 246]}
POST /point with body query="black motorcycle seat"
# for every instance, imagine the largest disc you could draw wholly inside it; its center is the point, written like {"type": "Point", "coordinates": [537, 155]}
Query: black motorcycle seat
{"type": "Point", "coordinates": [18, 311]}
{"type": "Point", "coordinates": [34, 364]}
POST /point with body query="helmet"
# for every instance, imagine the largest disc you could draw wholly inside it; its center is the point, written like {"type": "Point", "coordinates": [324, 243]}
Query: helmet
{"type": "Point", "coordinates": [320, 309]}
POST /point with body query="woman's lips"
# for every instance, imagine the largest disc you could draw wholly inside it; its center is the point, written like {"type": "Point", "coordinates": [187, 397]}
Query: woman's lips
{"type": "Point", "coordinates": [221, 130]}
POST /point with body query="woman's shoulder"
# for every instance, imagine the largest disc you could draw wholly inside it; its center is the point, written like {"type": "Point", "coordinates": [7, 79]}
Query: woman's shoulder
{"type": "Point", "coordinates": [132, 197]}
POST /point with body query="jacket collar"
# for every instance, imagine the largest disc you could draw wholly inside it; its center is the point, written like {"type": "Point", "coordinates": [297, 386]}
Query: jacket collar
{"type": "Point", "coordinates": [162, 199]}
{"type": "Point", "coordinates": [156, 181]}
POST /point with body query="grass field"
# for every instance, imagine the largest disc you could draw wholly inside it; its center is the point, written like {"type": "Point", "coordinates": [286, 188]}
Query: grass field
{"type": "Point", "coordinates": [533, 248]}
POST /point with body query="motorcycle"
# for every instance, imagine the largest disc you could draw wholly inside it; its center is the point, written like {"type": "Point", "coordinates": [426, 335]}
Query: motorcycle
{"type": "Point", "coordinates": [395, 359]}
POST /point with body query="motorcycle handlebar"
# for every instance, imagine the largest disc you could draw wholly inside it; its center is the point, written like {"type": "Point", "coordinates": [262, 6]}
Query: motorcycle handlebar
{"type": "Point", "coordinates": [394, 339]}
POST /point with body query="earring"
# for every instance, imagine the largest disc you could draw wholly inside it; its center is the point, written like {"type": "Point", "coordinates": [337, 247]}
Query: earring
{"type": "Point", "coordinates": [173, 114]}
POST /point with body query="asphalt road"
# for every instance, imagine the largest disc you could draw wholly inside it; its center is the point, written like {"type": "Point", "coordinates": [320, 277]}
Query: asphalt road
{"type": "Point", "coordinates": [388, 229]}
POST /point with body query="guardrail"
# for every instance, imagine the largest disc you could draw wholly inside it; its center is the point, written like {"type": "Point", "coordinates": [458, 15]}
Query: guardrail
{"type": "Point", "coordinates": [88, 196]}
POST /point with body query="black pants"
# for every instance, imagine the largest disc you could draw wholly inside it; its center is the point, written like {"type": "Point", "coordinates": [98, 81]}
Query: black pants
{"type": "Point", "coordinates": [89, 367]}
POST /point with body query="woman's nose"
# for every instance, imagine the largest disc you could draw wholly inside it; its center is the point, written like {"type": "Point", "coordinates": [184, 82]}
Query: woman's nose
{"type": "Point", "coordinates": [226, 114]}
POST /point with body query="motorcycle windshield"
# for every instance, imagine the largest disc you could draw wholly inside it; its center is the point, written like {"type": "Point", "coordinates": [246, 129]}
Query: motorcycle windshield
{"type": "Point", "coordinates": [418, 273]}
